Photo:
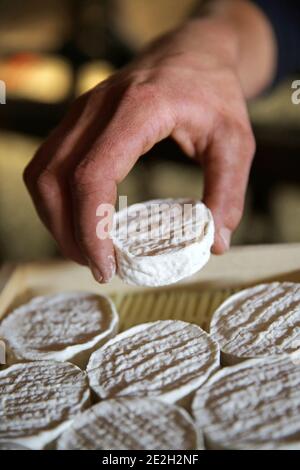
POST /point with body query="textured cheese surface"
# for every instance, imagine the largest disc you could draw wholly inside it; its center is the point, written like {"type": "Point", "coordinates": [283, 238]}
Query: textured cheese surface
{"type": "Point", "coordinates": [61, 327]}
{"type": "Point", "coordinates": [255, 404]}
{"type": "Point", "coordinates": [38, 399]}
{"type": "Point", "coordinates": [131, 424]}
{"type": "Point", "coordinates": [165, 359]}
{"type": "Point", "coordinates": [162, 241]}
{"type": "Point", "coordinates": [258, 322]}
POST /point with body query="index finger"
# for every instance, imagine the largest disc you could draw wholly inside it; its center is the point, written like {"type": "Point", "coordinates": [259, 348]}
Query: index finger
{"type": "Point", "coordinates": [139, 123]}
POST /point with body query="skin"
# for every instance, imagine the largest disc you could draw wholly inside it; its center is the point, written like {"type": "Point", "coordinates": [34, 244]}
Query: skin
{"type": "Point", "coordinates": [192, 85]}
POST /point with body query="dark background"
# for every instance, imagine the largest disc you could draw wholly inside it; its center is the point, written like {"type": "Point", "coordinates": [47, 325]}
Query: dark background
{"type": "Point", "coordinates": [51, 51]}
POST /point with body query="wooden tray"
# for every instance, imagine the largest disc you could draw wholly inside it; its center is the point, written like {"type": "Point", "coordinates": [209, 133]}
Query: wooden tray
{"type": "Point", "coordinates": [193, 300]}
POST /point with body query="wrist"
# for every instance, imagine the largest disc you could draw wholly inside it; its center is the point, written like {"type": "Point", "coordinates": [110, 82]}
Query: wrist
{"type": "Point", "coordinates": [213, 40]}
{"type": "Point", "coordinates": [254, 39]}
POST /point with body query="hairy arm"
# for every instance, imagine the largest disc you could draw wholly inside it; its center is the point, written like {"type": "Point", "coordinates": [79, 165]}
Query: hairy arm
{"type": "Point", "coordinates": [255, 40]}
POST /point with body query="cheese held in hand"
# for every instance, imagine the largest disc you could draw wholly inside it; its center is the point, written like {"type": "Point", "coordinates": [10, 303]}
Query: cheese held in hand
{"type": "Point", "coordinates": [162, 241]}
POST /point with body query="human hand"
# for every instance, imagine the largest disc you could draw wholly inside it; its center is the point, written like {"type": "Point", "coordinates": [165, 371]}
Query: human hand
{"type": "Point", "coordinates": [185, 86]}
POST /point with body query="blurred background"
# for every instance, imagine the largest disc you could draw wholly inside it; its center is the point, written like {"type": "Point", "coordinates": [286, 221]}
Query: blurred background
{"type": "Point", "coordinates": [54, 50]}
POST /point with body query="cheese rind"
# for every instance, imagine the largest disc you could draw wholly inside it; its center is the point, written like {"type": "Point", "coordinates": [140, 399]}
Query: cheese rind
{"type": "Point", "coordinates": [156, 247]}
{"type": "Point", "coordinates": [132, 424]}
{"type": "Point", "coordinates": [39, 400]}
{"type": "Point", "coordinates": [60, 327]}
{"type": "Point", "coordinates": [168, 360]}
{"type": "Point", "coordinates": [254, 405]}
{"type": "Point", "coordinates": [261, 321]}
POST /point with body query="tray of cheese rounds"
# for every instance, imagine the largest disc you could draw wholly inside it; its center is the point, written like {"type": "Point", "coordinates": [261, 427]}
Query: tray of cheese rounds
{"type": "Point", "coordinates": [209, 362]}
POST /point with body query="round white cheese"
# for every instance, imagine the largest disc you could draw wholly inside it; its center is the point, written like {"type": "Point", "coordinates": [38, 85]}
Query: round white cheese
{"type": "Point", "coordinates": [254, 405]}
{"type": "Point", "coordinates": [258, 322]}
{"type": "Point", "coordinates": [162, 241]}
{"type": "Point", "coordinates": [131, 424]}
{"type": "Point", "coordinates": [39, 400]}
{"type": "Point", "coordinates": [61, 327]}
{"type": "Point", "coordinates": [167, 360]}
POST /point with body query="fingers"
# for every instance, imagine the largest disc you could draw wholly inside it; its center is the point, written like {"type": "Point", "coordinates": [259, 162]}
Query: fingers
{"type": "Point", "coordinates": [58, 141]}
{"type": "Point", "coordinates": [53, 205]}
{"type": "Point", "coordinates": [88, 199]}
{"type": "Point", "coordinates": [227, 165]}
{"type": "Point", "coordinates": [139, 122]}
{"type": "Point", "coordinates": [77, 170]}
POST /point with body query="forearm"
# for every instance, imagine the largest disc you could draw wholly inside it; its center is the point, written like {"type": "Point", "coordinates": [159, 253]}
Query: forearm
{"type": "Point", "coordinates": [251, 36]}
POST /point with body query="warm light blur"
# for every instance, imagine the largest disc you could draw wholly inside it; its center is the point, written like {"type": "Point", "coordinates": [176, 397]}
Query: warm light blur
{"type": "Point", "coordinates": [91, 74]}
{"type": "Point", "coordinates": [36, 77]}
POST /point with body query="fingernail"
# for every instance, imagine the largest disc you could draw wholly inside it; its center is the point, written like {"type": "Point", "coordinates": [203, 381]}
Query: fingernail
{"type": "Point", "coordinates": [96, 273]}
{"type": "Point", "coordinates": [225, 235]}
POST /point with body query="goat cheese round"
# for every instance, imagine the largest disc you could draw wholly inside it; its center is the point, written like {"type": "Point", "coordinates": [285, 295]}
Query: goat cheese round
{"type": "Point", "coordinates": [39, 400]}
{"type": "Point", "coordinates": [131, 424]}
{"type": "Point", "coordinates": [162, 241]}
{"type": "Point", "coordinates": [253, 405]}
{"type": "Point", "coordinates": [257, 322]}
{"type": "Point", "coordinates": [60, 327]}
{"type": "Point", "coordinates": [167, 360]}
